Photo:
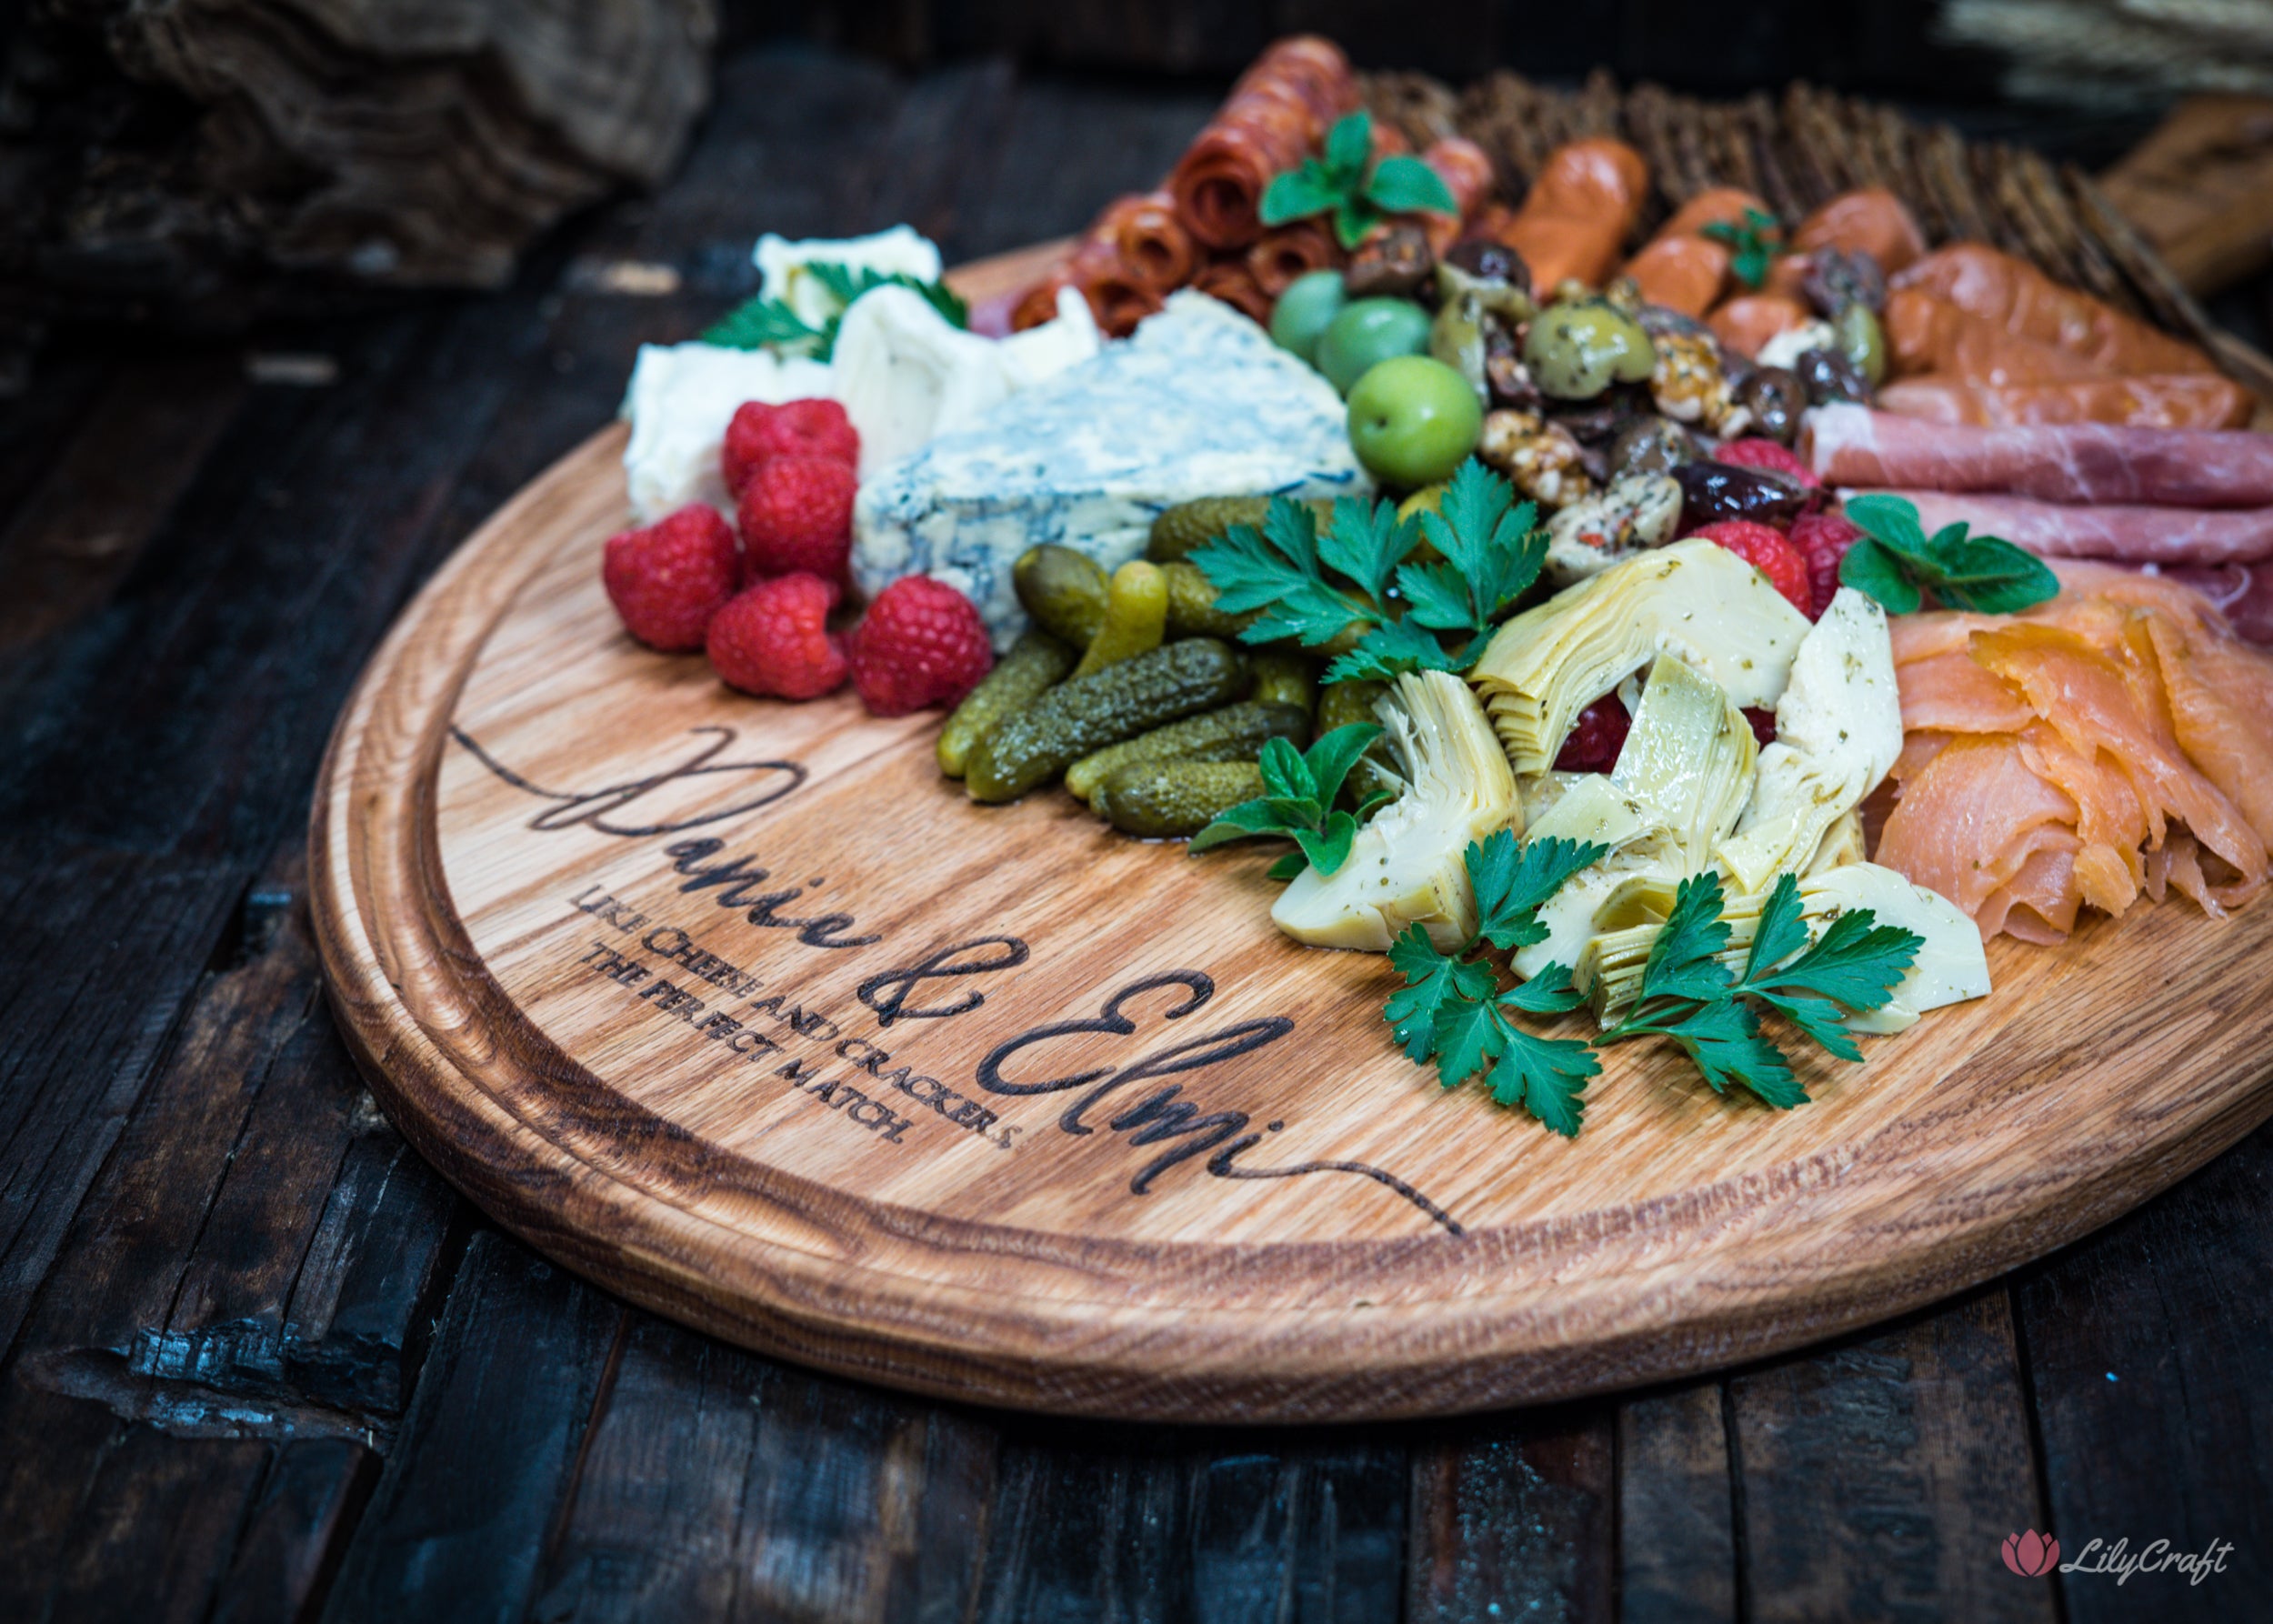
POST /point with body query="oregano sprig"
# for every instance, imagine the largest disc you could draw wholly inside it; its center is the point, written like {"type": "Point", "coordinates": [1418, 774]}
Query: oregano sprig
{"type": "Point", "coordinates": [1344, 182]}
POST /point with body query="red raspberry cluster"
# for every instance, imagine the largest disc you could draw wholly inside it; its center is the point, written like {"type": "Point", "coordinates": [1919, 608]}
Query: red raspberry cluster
{"type": "Point", "coordinates": [760, 607]}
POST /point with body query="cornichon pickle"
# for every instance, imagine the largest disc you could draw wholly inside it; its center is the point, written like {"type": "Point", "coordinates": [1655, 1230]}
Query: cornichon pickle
{"type": "Point", "coordinates": [1034, 661]}
{"type": "Point", "coordinates": [1285, 678]}
{"type": "Point", "coordinates": [1159, 798]}
{"type": "Point", "coordinates": [1065, 591]}
{"type": "Point", "coordinates": [1031, 746]}
{"type": "Point", "coordinates": [1192, 611]}
{"type": "Point", "coordinates": [1339, 705]}
{"type": "Point", "coordinates": [1234, 733]}
{"type": "Point", "coordinates": [1176, 531]}
{"type": "Point", "coordinates": [1136, 617]}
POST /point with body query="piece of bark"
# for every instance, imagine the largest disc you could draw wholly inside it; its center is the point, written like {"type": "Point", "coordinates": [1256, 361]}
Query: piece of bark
{"type": "Point", "coordinates": [205, 165]}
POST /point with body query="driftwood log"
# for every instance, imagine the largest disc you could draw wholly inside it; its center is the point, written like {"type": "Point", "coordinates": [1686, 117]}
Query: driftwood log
{"type": "Point", "coordinates": [202, 163]}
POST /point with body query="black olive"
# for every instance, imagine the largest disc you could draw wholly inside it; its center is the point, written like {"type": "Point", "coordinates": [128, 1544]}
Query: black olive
{"type": "Point", "coordinates": [1489, 261]}
{"type": "Point", "coordinates": [1595, 422]}
{"type": "Point", "coordinates": [1711, 490]}
{"type": "Point", "coordinates": [1776, 398]}
{"type": "Point", "coordinates": [1831, 376]}
{"type": "Point", "coordinates": [1651, 446]}
{"type": "Point", "coordinates": [1836, 278]}
{"type": "Point", "coordinates": [1391, 266]}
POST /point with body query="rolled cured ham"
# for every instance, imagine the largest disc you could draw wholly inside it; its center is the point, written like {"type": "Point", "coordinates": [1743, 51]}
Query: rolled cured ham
{"type": "Point", "coordinates": [2121, 531]}
{"type": "Point", "coordinates": [2143, 400]}
{"type": "Point", "coordinates": [2090, 462]}
{"type": "Point", "coordinates": [1231, 281]}
{"type": "Point", "coordinates": [1154, 249]}
{"type": "Point", "coordinates": [1575, 220]}
{"type": "Point", "coordinates": [2243, 593]}
{"type": "Point", "coordinates": [1277, 111]}
{"type": "Point", "coordinates": [1467, 171]}
{"type": "Point", "coordinates": [2014, 294]}
{"type": "Point", "coordinates": [1284, 252]}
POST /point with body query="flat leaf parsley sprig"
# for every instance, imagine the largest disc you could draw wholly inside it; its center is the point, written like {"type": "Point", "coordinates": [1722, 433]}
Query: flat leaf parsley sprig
{"type": "Point", "coordinates": [1452, 1009]}
{"type": "Point", "coordinates": [1897, 563]}
{"type": "Point", "coordinates": [1689, 996]}
{"type": "Point", "coordinates": [1451, 1006]}
{"type": "Point", "coordinates": [1489, 550]}
{"type": "Point", "coordinates": [1358, 193]}
{"type": "Point", "coordinates": [767, 321]}
{"type": "Point", "coordinates": [1299, 787]}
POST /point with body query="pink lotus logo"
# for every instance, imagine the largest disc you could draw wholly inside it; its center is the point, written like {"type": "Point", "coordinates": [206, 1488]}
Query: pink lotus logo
{"type": "Point", "coordinates": [2031, 1555]}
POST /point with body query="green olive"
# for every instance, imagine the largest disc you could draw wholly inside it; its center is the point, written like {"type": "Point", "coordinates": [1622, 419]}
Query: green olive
{"type": "Point", "coordinates": [1857, 336]}
{"type": "Point", "coordinates": [1576, 349]}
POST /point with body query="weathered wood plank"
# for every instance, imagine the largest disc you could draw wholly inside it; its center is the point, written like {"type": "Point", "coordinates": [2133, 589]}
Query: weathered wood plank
{"type": "Point", "coordinates": [1878, 1478]}
{"type": "Point", "coordinates": [104, 950]}
{"type": "Point", "coordinates": [151, 1537]}
{"type": "Point", "coordinates": [1512, 1517]}
{"type": "Point", "coordinates": [1676, 1524]}
{"type": "Point", "coordinates": [51, 1447]}
{"type": "Point", "coordinates": [456, 1529]}
{"type": "Point", "coordinates": [1127, 1524]}
{"type": "Point", "coordinates": [295, 1531]}
{"type": "Point", "coordinates": [2150, 1353]}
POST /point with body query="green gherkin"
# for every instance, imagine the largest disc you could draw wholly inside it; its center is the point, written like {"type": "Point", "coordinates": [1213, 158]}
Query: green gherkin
{"type": "Point", "coordinates": [1234, 733]}
{"type": "Point", "coordinates": [1030, 746]}
{"type": "Point", "coordinates": [1159, 799]}
{"type": "Point", "coordinates": [1036, 661]}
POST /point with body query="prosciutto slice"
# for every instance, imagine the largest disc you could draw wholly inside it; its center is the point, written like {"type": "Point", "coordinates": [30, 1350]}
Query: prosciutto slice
{"type": "Point", "coordinates": [2077, 462]}
{"type": "Point", "coordinates": [2131, 534]}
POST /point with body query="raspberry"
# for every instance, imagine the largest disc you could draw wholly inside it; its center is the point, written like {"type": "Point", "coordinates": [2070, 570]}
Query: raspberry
{"type": "Point", "coordinates": [1767, 551]}
{"type": "Point", "coordinates": [760, 433]}
{"type": "Point", "coordinates": [774, 640]}
{"type": "Point", "coordinates": [668, 580]}
{"type": "Point", "coordinates": [921, 644]}
{"type": "Point", "coordinates": [1762, 454]}
{"type": "Point", "coordinates": [1763, 725]}
{"type": "Point", "coordinates": [797, 515]}
{"type": "Point", "coordinates": [1822, 539]}
{"type": "Point", "coordinates": [1596, 738]}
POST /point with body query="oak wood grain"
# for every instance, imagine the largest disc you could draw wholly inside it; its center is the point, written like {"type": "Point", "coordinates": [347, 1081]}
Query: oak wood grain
{"type": "Point", "coordinates": [542, 855]}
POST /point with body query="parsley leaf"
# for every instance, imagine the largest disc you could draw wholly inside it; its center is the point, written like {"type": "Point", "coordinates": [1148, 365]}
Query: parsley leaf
{"type": "Point", "coordinates": [1298, 789]}
{"type": "Point", "coordinates": [1311, 587]}
{"type": "Point", "coordinates": [1896, 562]}
{"type": "Point", "coordinates": [1341, 183]}
{"type": "Point", "coordinates": [1451, 1009]}
{"type": "Point", "coordinates": [1756, 240]}
{"type": "Point", "coordinates": [766, 322]}
{"type": "Point", "coordinates": [1688, 996]}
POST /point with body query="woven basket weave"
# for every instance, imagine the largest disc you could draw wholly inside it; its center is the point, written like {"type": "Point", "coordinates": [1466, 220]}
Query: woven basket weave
{"type": "Point", "coordinates": [1806, 147]}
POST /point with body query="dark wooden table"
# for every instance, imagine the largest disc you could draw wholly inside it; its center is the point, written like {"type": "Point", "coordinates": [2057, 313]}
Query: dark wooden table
{"type": "Point", "coordinates": [261, 1364]}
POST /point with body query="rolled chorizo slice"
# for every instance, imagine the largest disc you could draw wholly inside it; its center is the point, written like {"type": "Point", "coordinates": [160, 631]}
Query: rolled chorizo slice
{"type": "Point", "coordinates": [2014, 294]}
{"type": "Point", "coordinates": [1575, 220]}
{"type": "Point", "coordinates": [1926, 333]}
{"type": "Point", "coordinates": [2188, 400]}
{"type": "Point", "coordinates": [1871, 221]}
{"type": "Point", "coordinates": [1683, 269]}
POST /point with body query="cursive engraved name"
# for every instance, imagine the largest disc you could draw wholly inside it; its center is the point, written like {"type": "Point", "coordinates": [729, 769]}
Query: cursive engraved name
{"type": "Point", "coordinates": [591, 806]}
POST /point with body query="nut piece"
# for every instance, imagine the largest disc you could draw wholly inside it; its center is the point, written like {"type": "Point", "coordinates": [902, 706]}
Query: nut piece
{"type": "Point", "coordinates": [1689, 386]}
{"type": "Point", "coordinates": [1637, 511]}
{"type": "Point", "coordinates": [1539, 456]}
{"type": "Point", "coordinates": [1392, 265]}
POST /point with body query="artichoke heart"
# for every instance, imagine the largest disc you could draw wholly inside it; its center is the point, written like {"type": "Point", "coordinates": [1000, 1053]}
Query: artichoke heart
{"type": "Point", "coordinates": [1688, 760]}
{"type": "Point", "coordinates": [1408, 865]}
{"type": "Point", "coordinates": [1838, 727]}
{"type": "Point", "coordinates": [1695, 599]}
{"type": "Point", "coordinates": [1950, 969]}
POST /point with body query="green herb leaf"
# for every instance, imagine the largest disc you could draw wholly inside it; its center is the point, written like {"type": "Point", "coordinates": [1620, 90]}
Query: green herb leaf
{"type": "Point", "coordinates": [1513, 880]}
{"type": "Point", "coordinates": [1327, 846]}
{"type": "Point", "coordinates": [761, 323]}
{"type": "Point", "coordinates": [1469, 1037]}
{"type": "Point", "coordinates": [1683, 962]}
{"type": "Point", "coordinates": [766, 322]}
{"type": "Point", "coordinates": [1391, 650]}
{"type": "Point", "coordinates": [1284, 773]}
{"type": "Point", "coordinates": [1275, 570]}
{"type": "Point", "coordinates": [1332, 754]}
{"type": "Point", "coordinates": [1431, 979]}
{"type": "Point", "coordinates": [1287, 866]}
{"type": "Point", "coordinates": [1403, 185]}
{"type": "Point", "coordinates": [1365, 541]}
{"type": "Point", "coordinates": [1898, 564]}
{"type": "Point", "coordinates": [1548, 1076]}
{"type": "Point", "coordinates": [1755, 242]}
{"type": "Point", "coordinates": [1298, 194]}
{"type": "Point", "coordinates": [1349, 145]}
{"type": "Point", "coordinates": [1352, 221]}
{"type": "Point", "coordinates": [1299, 791]}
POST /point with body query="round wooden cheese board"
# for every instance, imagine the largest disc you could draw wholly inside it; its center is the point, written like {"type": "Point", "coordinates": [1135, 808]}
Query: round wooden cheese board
{"type": "Point", "coordinates": [741, 1009]}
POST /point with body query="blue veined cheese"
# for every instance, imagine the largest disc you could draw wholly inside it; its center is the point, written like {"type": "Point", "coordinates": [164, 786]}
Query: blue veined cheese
{"type": "Point", "coordinates": [1199, 403]}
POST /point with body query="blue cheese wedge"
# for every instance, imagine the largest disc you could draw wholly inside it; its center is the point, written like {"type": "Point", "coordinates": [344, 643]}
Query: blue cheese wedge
{"type": "Point", "coordinates": [1197, 403]}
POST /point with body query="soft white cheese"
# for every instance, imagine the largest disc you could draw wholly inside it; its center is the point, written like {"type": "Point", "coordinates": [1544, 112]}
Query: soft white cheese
{"type": "Point", "coordinates": [1199, 403]}
{"type": "Point", "coordinates": [907, 374]}
{"type": "Point", "coordinates": [781, 266]}
{"type": "Point", "coordinates": [681, 398]}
